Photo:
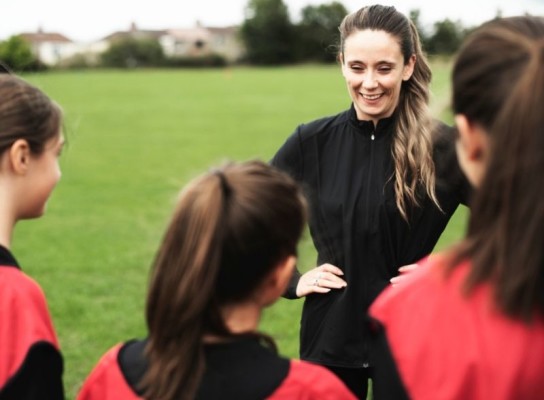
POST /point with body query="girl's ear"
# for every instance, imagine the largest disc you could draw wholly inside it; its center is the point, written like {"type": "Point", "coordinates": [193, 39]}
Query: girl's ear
{"type": "Point", "coordinates": [472, 138]}
{"type": "Point", "coordinates": [276, 282]}
{"type": "Point", "coordinates": [19, 156]}
{"type": "Point", "coordinates": [472, 148]}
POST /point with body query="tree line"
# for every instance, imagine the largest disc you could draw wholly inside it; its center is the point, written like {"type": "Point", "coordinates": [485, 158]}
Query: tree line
{"type": "Point", "coordinates": [267, 32]}
{"type": "Point", "coordinates": [271, 38]}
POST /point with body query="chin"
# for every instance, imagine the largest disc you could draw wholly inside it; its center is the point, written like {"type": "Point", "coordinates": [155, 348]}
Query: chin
{"type": "Point", "coordinates": [34, 214]}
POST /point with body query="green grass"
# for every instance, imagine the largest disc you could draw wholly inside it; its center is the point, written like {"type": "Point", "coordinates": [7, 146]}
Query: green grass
{"type": "Point", "coordinates": [134, 139]}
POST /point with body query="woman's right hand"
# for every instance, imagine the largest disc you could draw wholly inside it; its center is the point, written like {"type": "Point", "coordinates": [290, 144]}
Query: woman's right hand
{"type": "Point", "coordinates": [320, 280]}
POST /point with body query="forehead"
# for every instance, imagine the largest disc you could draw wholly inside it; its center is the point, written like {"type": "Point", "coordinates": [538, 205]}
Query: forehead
{"type": "Point", "coordinates": [372, 46]}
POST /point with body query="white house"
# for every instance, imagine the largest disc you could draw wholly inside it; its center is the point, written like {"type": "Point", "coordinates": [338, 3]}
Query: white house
{"type": "Point", "coordinates": [202, 41]}
{"type": "Point", "coordinates": [50, 48]}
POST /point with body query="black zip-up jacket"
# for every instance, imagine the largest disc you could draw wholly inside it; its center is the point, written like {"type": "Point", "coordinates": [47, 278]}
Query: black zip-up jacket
{"type": "Point", "coordinates": [346, 169]}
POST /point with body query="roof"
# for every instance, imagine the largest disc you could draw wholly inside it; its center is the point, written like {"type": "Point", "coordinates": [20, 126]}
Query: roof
{"type": "Point", "coordinates": [223, 30]}
{"type": "Point", "coordinates": [41, 37]}
{"type": "Point", "coordinates": [189, 33]}
{"type": "Point", "coordinates": [140, 34]}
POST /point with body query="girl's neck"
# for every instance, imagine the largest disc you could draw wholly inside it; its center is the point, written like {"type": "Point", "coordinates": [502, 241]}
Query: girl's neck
{"type": "Point", "coordinates": [7, 222]}
{"type": "Point", "coordinates": [239, 318]}
{"type": "Point", "coordinates": [6, 229]}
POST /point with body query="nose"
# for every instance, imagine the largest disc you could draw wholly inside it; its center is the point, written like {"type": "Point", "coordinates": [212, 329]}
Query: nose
{"type": "Point", "coordinates": [369, 81]}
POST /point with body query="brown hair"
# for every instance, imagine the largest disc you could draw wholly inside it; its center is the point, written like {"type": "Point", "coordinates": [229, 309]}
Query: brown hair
{"type": "Point", "coordinates": [26, 113]}
{"type": "Point", "coordinates": [498, 82]}
{"type": "Point", "coordinates": [412, 145]}
{"type": "Point", "coordinates": [231, 227]}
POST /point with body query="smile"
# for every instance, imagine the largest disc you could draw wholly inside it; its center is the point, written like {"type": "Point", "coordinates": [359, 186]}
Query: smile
{"type": "Point", "coordinates": [371, 96]}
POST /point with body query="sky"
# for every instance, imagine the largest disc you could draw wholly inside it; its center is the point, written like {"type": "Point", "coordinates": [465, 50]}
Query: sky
{"type": "Point", "coordinates": [87, 21]}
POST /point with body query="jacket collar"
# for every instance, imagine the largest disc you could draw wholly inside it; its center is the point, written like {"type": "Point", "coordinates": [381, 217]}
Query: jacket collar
{"type": "Point", "coordinates": [7, 259]}
{"type": "Point", "coordinates": [367, 127]}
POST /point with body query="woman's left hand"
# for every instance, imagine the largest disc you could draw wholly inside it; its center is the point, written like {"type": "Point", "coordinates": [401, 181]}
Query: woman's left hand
{"type": "Point", "coordinates": [404, 270]}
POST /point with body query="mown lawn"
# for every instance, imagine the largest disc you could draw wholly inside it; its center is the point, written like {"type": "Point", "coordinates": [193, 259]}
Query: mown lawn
{"type": "Point", "coordinates": [135, 138]}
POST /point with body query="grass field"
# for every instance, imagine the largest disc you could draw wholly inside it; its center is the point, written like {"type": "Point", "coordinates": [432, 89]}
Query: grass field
{"type": "Point", "coordinates": [134, 139]}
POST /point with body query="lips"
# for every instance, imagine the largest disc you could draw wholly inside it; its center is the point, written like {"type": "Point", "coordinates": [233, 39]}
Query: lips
{"type": "Point", "coordinates": [371, 96]}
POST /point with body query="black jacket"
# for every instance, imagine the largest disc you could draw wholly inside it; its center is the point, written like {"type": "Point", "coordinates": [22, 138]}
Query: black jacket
{"type": "Point", "coordinates": [346, 169]}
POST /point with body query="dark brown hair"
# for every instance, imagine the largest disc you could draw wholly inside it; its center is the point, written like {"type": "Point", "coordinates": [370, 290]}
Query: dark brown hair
{"type": "Point", "coordinates": [26, 113]}
{"type": "Point", "coordinates": [498, 83]}
{"type": "Point", "coordinates": [231, 227]}
{"type": "Point", "coordinates": [412, 145]}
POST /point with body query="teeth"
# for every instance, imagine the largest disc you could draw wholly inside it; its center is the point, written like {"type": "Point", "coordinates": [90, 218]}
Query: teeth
{"type": "Point", "coordinates": [371, 96]}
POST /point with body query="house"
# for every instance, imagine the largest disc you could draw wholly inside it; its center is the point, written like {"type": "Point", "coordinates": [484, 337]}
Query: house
{"type": "Point", "coordinates": [49, 47]}
{"type": "Point", "coordinates": [133, 33]}
{"type": "Point", "coordinates": [202, 41]}
{"type": "Point", "coordinates": [55, 49]}
{"type": "Point", "coordinates": [226, 42]}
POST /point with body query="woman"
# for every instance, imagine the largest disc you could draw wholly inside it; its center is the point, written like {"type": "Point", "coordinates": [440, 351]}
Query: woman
{"type": "Point", "coordinates": [382, 183]}
{"type": "Point", "coordinates": [30, 145]}
{"type": "Point", "coordinates": [482, 335]}
{"type": "Point", "coordinates": [228, 252]}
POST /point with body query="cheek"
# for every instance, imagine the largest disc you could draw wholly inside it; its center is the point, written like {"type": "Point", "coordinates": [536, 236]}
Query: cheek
{"type": "Point", "coordinates": [394, 84]}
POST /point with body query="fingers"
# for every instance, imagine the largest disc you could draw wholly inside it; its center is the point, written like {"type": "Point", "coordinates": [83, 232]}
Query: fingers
{"type": "Point", "coordinates": [408, 268]}
{"type": "Point", "coordinates": [329, 280]}
{"type": "Point", "coordinates": [320, 280]}
{"type": "Point", "coordinates": [396, 280]}
{"type": "Point", "coordinates": [404, 270]}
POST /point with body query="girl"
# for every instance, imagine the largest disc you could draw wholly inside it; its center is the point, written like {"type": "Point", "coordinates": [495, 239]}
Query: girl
{"type": "Point", "coordinates": [30, 145]}
{"type": "Point", "coordinates": [228, 252]}
{"type": "Point", "coordinates": [471, 324]}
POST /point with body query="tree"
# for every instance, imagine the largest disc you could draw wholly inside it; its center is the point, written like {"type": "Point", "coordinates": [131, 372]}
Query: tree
{"type": "Point", "coordinates": [447, 37]}
{"type": "Point", "coordinates": [17, 54]}
{"type": "Point", "coordinates": [129, 53]}
{"type": "Point", "coordinates": [318, 36]}
{"type": "Point", "coordinates": [268, 33]}
{"type": "Point", "coordinates": [423, 37]}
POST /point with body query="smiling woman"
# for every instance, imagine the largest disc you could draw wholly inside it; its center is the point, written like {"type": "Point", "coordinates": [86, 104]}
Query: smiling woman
{"type": "Point", "coordinates": [382, 182]}
{"type": "Point", "coordinates": [374, 70]}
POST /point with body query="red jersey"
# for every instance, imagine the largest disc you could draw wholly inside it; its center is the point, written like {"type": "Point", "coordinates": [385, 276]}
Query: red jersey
{"type": "Point", "coordinates": [447, 345]}
{"type": "Point", "coordinates": [298, 380]}
{"type": "Point", "coordinates": [30, 360]}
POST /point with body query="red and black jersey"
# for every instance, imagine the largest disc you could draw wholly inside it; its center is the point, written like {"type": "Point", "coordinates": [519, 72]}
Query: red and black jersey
{"type": "Point", "coordinates": [448, 345]}
{"type": "Point", "coordinates": [31, 365]}
{"type": "Point", "coordinates": [240, 369]}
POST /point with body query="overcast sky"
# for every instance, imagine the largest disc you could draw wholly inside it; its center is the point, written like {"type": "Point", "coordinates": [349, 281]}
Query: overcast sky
{"type": "Point", "coordinates": [92, 20]}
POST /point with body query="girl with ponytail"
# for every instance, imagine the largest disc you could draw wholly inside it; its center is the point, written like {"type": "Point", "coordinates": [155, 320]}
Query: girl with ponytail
{"type": "Point", "coordinates": [382, 182]}
{"type": "Point", "coordinates": [31, 142]}
{"type": "Point", "coordinates": [479, 328]}
{"type": "Point", "coordinates": [227, 253]}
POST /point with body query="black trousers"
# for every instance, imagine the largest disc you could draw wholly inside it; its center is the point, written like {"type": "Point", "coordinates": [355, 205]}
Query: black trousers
{"type": "Point", "coordinates": [386, 381]}
{"type": "Point", "coordinates": [356, 379]}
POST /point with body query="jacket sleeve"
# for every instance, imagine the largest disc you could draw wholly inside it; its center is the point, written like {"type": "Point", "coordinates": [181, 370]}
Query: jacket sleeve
{"type": "Point", "coordinates": [289, 159]}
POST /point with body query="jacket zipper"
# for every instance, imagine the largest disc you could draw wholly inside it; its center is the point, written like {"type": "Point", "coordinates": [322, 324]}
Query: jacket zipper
{"type": "Point", "coordinates": [366, 354]}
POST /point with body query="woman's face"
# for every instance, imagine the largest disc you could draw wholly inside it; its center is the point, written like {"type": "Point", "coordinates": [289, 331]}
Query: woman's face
{"type": "Point", "coordinates": [373, 67]}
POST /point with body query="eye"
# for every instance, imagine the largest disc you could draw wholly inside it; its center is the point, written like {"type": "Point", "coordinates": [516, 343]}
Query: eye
{"type": "Point", "coordinates": [357, 67]}
{"type": "Point", "coordinates": [385, 69]}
